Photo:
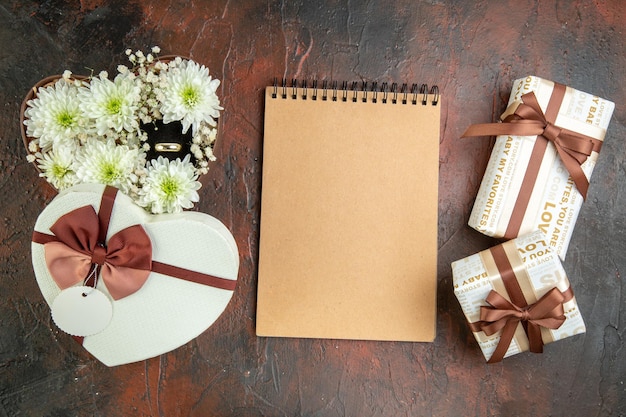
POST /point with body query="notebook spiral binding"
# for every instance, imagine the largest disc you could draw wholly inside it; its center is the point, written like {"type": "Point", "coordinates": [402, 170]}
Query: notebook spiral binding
{"type": "Point", "coordinates": [350, 92]}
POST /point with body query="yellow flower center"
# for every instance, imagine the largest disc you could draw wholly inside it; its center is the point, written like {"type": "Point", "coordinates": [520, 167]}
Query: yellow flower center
{"type": "Point", "coordinates": [190, 96]}
{"type": "Point", "coordinates": [109, 172]}
{"type": "Point", "coordinates": [170, 188]}
{"type": "Point", "coordinates": [66, 119]}
{"type": "Point", "coordinates": [114, 105]}
{"type": "Point", "coordinates": [59, 171]}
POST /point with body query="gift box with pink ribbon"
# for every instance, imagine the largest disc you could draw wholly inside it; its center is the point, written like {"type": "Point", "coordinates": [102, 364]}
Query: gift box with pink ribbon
{"type": "Point", "coordinates": [545, 151]}
{"type": "Point", "coordinates": [516, 297]}
{"type": "Point", "coordinates": [129, 285]}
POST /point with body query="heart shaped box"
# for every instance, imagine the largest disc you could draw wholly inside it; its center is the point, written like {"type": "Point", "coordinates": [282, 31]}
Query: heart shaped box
{"type": "Point", "coordinates": [166, 312]}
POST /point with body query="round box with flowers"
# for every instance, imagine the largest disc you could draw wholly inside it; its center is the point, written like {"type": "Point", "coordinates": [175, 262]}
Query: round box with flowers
{"type": "Point", "coordinates": [148, 131]}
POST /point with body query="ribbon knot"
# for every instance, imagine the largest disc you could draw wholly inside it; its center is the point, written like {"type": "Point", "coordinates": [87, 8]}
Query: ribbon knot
{"type": "Point", "coordinates": [525, 315]}
{"type": "Point", "coordinates": [125, 261]}
{"type": "Point", "coordinates": [529, 120]}
{"type": "Point", "coordinates": [551, 132]}
{"type": "Point", "coordinates": [501, 314]}
{"type": "Point", "coordinates": [99, 254]}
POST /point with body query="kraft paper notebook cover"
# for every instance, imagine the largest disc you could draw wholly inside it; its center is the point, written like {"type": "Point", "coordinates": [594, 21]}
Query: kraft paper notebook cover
{"type": "Point", "coordinates": [348, 238]}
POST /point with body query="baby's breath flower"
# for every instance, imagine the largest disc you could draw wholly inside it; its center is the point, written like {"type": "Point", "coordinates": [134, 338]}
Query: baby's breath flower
{"type": "Point", "coordinates": [33, 145]}
{"type": "Point", "coordinates": [208, 151]}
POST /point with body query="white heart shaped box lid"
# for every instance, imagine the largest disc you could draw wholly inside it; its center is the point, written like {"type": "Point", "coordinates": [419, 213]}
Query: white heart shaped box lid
{"type": "Point", "coordinates": [166, 312]}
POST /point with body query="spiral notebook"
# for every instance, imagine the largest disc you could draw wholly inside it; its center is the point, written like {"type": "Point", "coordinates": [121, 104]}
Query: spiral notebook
{"type": "Point", "coordinates": [348, 234]}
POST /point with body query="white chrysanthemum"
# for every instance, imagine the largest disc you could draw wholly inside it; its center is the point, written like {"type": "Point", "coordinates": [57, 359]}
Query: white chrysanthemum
{"type": "Point", "coordinates": [189, 96]}
{"type": "Point", "coordinates": [111, 104]}
{"type": "Point", "coordinates": [105, 163]}
{"type": "Point", "coordinates": [170, 186]}
{"type": "Point", "coordinates": [54, 116]}
{"type": "Point", "coordinates": [57, 166]}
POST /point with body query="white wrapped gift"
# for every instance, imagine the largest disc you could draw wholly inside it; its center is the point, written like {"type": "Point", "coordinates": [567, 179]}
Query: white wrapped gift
{"type": "Point", "coordinates": [543, 157]}
{"type": "Point", "coordinates": [510, 290]}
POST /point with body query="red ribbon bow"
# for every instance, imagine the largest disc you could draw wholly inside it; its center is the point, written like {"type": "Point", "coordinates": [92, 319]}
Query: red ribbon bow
{"type": "Point", "coordinates": [529, 120]}
{"type": "Point", "coordinates": [125, 261]}
{"type": "Point", "coordinates": [503, 315]}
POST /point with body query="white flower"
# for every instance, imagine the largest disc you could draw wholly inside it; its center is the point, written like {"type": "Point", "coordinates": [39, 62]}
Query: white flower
{"type": "Point", "coordinates": [189, 96]}
{"type": "Point", "coordinates": [92, 131]}
{"type": "Point", "coordinates": [107, 163]}
{"type": "Point", "coordinates": [57, 166]}
{"type": "Point", "coordinates": [111, 104]}
{"type": "Point", "coordinates": [170, 186]}
{"type": "Point", "coordinates": [54, 115]}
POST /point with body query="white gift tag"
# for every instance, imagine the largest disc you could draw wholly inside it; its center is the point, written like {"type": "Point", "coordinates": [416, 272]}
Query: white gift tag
{"type": "Point", "coordinates": [82, 311]}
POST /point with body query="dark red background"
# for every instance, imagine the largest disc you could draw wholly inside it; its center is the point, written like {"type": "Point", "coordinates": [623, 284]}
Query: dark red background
{"type": "Point", "coordinates": [473, 50]}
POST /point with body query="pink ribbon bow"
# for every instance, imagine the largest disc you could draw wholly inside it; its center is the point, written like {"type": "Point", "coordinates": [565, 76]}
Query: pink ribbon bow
{"type": "Point", "coordinates": [125, 261]}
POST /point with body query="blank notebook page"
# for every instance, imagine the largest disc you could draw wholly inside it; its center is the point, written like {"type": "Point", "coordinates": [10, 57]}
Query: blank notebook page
{"type": "Point", "coordinates": [348, 238]}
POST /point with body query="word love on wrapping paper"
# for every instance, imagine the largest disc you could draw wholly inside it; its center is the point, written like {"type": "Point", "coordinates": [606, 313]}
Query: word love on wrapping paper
{"type": "Point", "coordinates": [170, 276]}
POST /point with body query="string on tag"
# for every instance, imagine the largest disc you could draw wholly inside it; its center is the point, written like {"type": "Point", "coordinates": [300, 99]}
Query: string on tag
{"type": "Point", "coordinates": [92, 276]}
